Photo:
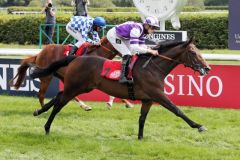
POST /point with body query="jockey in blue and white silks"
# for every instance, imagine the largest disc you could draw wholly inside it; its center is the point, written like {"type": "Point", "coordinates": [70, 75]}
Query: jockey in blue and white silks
{"type": "Point", "coordinates": [129, 38]}
{"type": "Point", "coordinates": [80, 27]}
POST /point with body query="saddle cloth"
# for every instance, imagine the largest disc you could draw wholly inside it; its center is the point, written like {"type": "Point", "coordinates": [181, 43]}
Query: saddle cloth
{"type": "Point", "coordinates": [80, 51]}
{"type": "Point", "coordinates": [112, 69]}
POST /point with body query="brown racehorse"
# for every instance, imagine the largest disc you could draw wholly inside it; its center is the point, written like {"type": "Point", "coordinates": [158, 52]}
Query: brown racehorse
{"type": "Point", "coordinates": [148, 80]}
{"type": "Point", "coordinates": [52, 53]}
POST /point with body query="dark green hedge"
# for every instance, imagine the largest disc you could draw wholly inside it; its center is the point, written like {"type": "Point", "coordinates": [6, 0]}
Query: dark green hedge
{"type": "Point", "coordinates": [70, 9]}
{"type": "Point", "coordinates": [37, 9]}
{"type": "Point", "coordinates": [216, 7]}
{"type": "Point", "coordinates": [209, 30]}
{"type": "Point", "coordinates": [111, 9]}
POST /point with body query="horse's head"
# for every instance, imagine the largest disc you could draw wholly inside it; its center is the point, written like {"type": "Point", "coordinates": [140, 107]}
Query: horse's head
{"type": "Point", "coordinates": [192, 58]}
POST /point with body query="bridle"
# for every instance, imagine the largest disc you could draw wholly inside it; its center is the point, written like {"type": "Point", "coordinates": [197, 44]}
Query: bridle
{"type": "Point", "coordinates": [194, 65]}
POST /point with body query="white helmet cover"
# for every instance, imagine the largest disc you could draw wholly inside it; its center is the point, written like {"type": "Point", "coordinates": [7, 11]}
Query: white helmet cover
{"type": "Point", "coordinates": [152, 21]}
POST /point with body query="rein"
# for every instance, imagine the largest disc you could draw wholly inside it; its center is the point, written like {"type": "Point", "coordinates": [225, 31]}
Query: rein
{"type": "Point", "coordinates": [164, 57]}
{"type": "Point", "coordinates": [194, 65]}
{"type": "Point", "coordinates": [170, 59]}
{"type": "Point", "coordinates": [107, 49]}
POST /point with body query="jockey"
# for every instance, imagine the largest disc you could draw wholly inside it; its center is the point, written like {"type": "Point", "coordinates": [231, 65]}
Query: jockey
{"type": "Point", "coordinates": [129, 38]}
{"type": "Point", "coordinates": [79, 27]}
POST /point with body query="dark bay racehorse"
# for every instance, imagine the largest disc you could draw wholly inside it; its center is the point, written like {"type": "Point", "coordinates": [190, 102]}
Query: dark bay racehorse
{"type": "Point", "coordinates": [83, 75]}
{"type": "Point", "coordinates": [52, 53]}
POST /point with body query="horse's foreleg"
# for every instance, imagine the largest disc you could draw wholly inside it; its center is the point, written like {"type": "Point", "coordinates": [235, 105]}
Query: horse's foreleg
{"type": "Point", "coordinates": [111, 99]}
{"type": "Point", "coordinates": [82, 104]}
{"type": "Point", "coordinates": [173, 108]}
{"type": "Point", "coordinates": [146, 105]}
{"type": "Point", "coordinates": [110, 102]}
{"type": "Point", "coordinates": [127, 103]}
{"type": "Point", "coordinates": [44, 83]}
{"type": "Point", "coordinates": [166, 103]}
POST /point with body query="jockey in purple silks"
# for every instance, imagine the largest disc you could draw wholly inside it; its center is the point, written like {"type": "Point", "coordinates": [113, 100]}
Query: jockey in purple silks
{"type": "Point", "coordinates": [129, 38]}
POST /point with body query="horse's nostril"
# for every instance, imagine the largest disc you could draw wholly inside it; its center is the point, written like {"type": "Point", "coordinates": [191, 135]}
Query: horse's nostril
{"type": "Point", "coordinates": [208, 68]}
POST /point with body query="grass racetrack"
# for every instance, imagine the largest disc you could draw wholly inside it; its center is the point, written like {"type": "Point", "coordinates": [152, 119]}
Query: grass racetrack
{"type": "Point", "coordinates": [103, 134]}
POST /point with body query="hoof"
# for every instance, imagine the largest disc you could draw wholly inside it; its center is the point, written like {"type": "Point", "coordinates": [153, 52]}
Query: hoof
{"type": "Point", "coordinates": [140, 137]}
{"type": "Point", "coordinates": [129, 105]}
{"type": "Point", "coordinates": [202, 129]}
{"type": "Point", "coordinates": [86, 108]}
{"type": "Point", "coordinates": [35, 113]}
{"type": "Point", "coordinates": [47, 130]}
{"type": "Point", "coordinates": [109, 105]}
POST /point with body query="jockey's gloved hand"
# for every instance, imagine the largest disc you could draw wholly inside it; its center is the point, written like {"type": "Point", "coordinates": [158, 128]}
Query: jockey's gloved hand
{"type": "Point", "coordinates": [153, 52]}
{"type": "Point", "coordinates": [97, 43]}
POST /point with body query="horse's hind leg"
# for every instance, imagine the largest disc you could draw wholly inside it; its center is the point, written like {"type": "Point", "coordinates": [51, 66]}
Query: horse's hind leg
{"type": "Point", "coordinates": [45, 81]}
{"type": "Point", "coordinates": [61, 101]}
{"type": "Point", "coordinates": [47, 106]}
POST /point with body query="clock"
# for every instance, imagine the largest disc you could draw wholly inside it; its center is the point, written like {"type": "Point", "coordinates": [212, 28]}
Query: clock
{"type": "Point", "coordinates": [162, 9]}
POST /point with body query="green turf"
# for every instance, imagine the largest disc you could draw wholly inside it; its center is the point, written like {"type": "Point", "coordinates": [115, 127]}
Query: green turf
{"type": "Point", "coordinates": [103, 134]}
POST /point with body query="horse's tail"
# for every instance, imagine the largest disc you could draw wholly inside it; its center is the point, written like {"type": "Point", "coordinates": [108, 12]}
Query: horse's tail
{"type": "Point", "coordinates": [18, 79]}
{"type": "Point", "coordinates": [37, 73]}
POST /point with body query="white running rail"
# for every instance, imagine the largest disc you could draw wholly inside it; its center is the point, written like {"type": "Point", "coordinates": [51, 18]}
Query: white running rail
{"type": "Point", "coordinates": [30, 52]}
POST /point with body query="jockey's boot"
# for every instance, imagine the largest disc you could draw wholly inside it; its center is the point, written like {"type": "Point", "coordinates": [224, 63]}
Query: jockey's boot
{"type": "Point", "coordinates": [125, 62]}
{"type": "Point", "coordinates": [73, 50]}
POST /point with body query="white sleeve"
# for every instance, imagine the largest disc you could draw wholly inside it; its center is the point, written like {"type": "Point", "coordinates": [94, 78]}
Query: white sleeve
{"type": "Point", "coordinates": [136, 48]}
{"type": "Point", "coordinates": [136, 44]}
{"type": "Point", "coordinates": [135, 33]}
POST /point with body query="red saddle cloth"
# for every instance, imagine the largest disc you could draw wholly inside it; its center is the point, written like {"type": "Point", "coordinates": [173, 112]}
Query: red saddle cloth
{"type": "Point", "coordinates": [80, 51]}
{"type": "Point", "coordinates": [112, 69]}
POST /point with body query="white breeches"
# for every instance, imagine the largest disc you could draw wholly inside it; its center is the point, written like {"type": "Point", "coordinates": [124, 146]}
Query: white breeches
{"type": "Point", "coordinates": [120, 44]}
{"type": "Point", "coordinates": [76, 34]}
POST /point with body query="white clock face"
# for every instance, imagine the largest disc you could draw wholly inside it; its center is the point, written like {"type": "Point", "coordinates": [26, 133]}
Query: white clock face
{"type": "Point", "coordinates": [161, 9]}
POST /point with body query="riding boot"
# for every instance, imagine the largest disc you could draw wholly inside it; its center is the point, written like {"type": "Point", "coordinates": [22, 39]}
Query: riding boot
{"type": "Point", "coordinates": [125, 62]}
{"type": "Point", "coordinates": [73, 50]}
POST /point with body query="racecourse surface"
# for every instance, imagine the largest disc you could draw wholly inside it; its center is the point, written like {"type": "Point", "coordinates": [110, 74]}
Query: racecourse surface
{"type": "Point", "coordinates": [104, 134]}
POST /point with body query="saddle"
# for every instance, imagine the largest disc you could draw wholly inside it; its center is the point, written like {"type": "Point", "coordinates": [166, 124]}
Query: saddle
{"type": "Point", "coordinates": [80, 51]}
{"type": "Point", "coordinates": [112, 69]}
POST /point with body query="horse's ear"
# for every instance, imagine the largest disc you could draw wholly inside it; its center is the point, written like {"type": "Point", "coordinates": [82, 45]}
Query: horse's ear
{"type": "Point", "coordinates": [191, 40]}
{"type": "Point", "coordinates": [156, 47]}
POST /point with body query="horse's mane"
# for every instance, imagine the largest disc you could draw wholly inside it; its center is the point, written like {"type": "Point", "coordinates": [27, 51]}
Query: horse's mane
{"type": "Point", "coordinates": [166, 45]}
{"type": "Point", "coordinates": [91, 48]}
{"type": "Point", "coordinates": [161, 47]}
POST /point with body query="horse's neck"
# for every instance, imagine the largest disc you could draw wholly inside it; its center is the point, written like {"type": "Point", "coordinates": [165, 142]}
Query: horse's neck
{"type": "Point", "coordinates": [106, 50]}
{"type": "Point", "coordinates": [166, 66]}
